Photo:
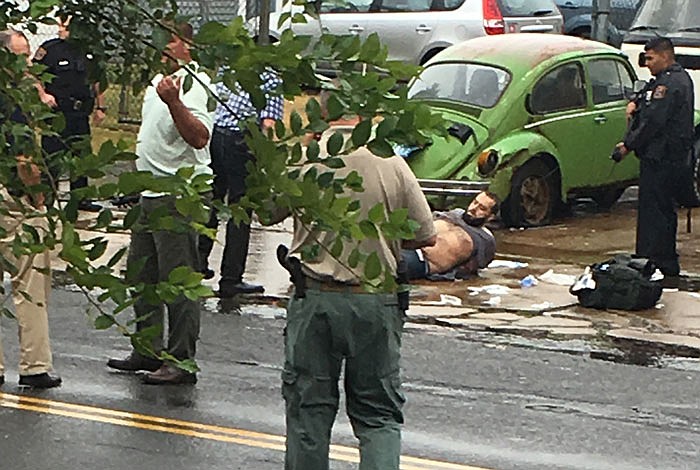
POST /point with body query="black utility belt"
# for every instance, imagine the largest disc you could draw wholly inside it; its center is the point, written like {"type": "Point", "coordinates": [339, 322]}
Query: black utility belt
{"type": "Point", "coordinates": [76, 105]}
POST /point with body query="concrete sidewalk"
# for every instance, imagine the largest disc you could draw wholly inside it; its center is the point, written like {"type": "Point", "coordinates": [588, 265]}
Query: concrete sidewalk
{"type": "Point", "coordinates": [493, 303]}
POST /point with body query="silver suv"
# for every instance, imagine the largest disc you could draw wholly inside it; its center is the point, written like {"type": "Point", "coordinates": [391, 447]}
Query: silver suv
{"type": "Point", "coordinates": [416, 30]}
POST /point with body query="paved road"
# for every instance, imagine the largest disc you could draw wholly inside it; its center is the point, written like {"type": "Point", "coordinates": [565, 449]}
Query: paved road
{"type": "Point", "coordinates": [471, 405]}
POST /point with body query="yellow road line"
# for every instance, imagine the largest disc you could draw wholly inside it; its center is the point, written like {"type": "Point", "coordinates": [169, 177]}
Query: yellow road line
{"type": "Point", "coordinates": [199, 430]}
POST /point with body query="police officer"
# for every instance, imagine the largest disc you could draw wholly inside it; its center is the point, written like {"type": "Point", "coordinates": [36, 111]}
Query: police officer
{"type": "Point", "coordinates": [661, 134]}
{"type": "Point", "coordinates": [70, 93]}
{"type": "Point", "coordinates": [333, 321]}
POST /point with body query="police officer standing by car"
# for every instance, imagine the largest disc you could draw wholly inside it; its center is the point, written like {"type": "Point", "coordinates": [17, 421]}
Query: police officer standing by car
{"type": "Point", "coordinates": [661, 134]}
{"type": "Point", "coordinates": [70, 93]}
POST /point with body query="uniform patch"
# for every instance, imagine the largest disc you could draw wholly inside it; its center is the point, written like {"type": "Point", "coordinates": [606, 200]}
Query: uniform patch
{"type": "Point", "coordinates": [40, 53]}
{"type": "Point", "coordinates": [660, 92]}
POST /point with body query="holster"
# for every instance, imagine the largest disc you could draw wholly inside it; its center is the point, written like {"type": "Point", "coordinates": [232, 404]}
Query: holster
{"type": "Point", "coordinates": [293, 267]}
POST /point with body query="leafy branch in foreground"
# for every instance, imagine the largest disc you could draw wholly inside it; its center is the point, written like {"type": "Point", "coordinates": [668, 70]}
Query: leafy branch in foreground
{"type": "Point", "coordinates": [369, 87]}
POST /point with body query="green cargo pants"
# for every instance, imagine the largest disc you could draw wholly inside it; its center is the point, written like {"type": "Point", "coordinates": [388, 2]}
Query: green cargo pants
{"type": "Point", "coordinates": [164, 251]}
{"type": "Point", "coordinates": [323, 329]}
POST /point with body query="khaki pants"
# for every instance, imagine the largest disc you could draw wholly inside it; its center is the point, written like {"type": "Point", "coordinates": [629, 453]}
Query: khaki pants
{"type": "Point", "coordinates": [30, 295]}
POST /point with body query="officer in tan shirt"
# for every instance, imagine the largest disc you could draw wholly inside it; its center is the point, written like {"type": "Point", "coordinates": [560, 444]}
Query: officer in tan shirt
{"type": "Point", "coordinates": [337, 322]}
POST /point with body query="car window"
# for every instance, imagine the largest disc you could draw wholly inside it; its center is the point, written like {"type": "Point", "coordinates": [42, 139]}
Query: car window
{"type": "Point", "coordinates": [443, 5]}
{"type": "Point", "coordinates": [627, 79]}
{"type": "Point", "coordinates": [561, 89]}
{"type": "Point", "coordinates": [527, 7]}
{"type": "Point", "coordinates": [405, 5]}
{"type": "Point", "coordinates": [473, 84]}
{"type": "Point", "coordinates": [606, 82]}
{"type": "Point", "coordinates": [345, 6]}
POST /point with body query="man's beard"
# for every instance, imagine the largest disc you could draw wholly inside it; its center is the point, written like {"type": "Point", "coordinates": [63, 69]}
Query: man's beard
{"type": "Point", "coordinates": [473, 221]}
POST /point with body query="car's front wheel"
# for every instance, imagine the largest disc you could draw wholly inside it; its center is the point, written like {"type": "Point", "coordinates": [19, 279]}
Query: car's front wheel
{"type": "Point", "coordinates": [532, 196]}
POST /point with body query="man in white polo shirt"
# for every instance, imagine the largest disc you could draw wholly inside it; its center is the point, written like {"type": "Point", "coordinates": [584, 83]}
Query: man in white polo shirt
{"type": "Point", "coordinates": [175, 131]}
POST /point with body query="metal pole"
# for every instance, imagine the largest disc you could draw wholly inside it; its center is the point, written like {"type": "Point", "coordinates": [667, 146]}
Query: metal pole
{"type": "Point", "coordinates": [264, 26]}
{"type": "Point", "coordinates": [600, 16]}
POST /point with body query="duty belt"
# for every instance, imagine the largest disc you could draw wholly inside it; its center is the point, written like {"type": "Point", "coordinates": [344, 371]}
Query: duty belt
{"type": "Point", "coordinates": [76, 105]}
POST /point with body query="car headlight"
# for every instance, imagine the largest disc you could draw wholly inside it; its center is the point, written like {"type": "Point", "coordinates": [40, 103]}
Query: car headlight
{"type": "Point", "coordinates": [488, 160]}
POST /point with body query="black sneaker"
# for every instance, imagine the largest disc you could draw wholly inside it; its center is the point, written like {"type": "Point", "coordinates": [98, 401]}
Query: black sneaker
{"type": "Point", "coordinates": [230, 290]}
{"type": "Point", "coordinates": [89, 206]}
{"type": "Point", "coordinates": [135, 362]}
{"type": "Point", "coordinates": [44, 380]}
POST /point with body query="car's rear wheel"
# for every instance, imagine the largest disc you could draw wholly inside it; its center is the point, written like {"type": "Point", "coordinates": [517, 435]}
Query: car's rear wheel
{"type": "Point", "coordinates": [532, 195]}
{"type": "Point", "coordinates": [605, 198]}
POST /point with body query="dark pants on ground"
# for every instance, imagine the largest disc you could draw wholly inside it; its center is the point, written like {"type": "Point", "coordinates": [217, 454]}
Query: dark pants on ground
{"type": "Point", "coordinates": [323, 329]}
{"type": "Point", "coordinates": [417, 268]}
{"type": "Point", "coordinates": [657, 221]}
{"type": "Point", "coordinates": [165, 251]}
{"type": "Point", "coordinates": [229, 155]}
{"type": "Point", "coordinates": [76, 137]}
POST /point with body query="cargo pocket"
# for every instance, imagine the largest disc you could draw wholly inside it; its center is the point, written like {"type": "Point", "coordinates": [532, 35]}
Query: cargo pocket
{"type": "Point", "coordinates": [289, 391]}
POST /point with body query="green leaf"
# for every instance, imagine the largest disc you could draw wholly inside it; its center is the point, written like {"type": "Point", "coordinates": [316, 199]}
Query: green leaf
{"type": "Point", "coordinates": [335, 107]}
{"type": "Point", "coordinates": [335, 143]}
{"type": "Point", "coordinates": [361, 133]}
{"type": "Point", "coordinates": [325, 179]}
{"type": "Point", "coordinates": [354, 258]}
{"type": "Point", "coordinates": [132, 216]}
{"type": "Point", "coordinates": [296, 153]}
{"type": "Point", "coordinates": [386, 126]}
{"type": "Point", "coordinates": [334, 163]}
{"type": "Point", "coordinates": [295, 123]}
{"type": "Point", "coordinates": [373, 267]}
{"type": "Point", "coordinates": [369, 229]}
{"type": "Point", "coordinates": [380, 148]}
{"type": "Point", "coordinates": [313, 109]}
{"type": "Point", "coordinates": [280, 129]}
{"type": "Point", "coordinates": [376, 214]}
{"type": "Point", "coordinates": [187, 83]}
{"type": "Point", "coordinates": [103, 322]}
{"type": "Point", "coordinates": [312, 151]}
{"type": "Point", "coordinates": [337, 248]}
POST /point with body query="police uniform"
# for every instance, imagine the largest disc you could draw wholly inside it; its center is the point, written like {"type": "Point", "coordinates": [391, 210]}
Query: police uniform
{"type": "Point", "coordinates": [661, 134]}
{"type": "Point", "coordinates": [74, 97]}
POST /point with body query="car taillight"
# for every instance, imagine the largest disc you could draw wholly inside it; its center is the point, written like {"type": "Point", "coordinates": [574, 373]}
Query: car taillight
{"type": "Point", "coordinates": [493, 19]}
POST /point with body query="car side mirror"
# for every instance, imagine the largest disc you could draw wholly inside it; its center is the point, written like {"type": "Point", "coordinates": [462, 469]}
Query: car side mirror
{"type": "Point", "coordinates": [639, 86]}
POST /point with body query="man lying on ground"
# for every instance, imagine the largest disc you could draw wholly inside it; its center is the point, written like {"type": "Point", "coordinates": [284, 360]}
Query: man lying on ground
{"type": "Point", "coordinates": [463, 244]}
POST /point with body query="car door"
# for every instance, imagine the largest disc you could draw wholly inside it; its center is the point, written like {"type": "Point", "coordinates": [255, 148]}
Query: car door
{"type": "Point", "coordinates": [559, 106]}
{"type": "Point", "coordinates": [404, 26]}
{"type": "Point", "coordinates": [610, 82]}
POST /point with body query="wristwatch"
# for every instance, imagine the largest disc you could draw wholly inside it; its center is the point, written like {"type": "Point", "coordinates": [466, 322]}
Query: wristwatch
{"type": "Point", "coordinates": [101, 108]}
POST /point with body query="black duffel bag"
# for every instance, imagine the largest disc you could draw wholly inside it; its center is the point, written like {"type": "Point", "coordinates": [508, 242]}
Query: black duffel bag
{"type": "Point", "coordinates": [625, 282]}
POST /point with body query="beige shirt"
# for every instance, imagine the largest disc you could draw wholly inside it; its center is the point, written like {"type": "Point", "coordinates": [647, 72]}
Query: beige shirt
{"type": "Point", "coordinates": [385, 180]}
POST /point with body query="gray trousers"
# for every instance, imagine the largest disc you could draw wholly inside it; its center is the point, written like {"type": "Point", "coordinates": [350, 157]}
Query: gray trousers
{"type": "Point", "coordinates": [162, 251]}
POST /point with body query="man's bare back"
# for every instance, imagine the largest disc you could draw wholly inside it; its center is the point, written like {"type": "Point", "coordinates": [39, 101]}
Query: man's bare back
{"type": "Point", "coordinates": [453, 247]}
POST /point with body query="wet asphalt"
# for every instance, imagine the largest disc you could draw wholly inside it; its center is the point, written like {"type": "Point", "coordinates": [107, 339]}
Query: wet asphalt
{"type": "Point", "coordinates": [472, 404]}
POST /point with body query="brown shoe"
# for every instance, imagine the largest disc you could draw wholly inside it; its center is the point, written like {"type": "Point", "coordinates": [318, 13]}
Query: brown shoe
{"type": "Point", "coordinates": [135, 362]}
{"type": "Point", "coordinates": [169, 375]}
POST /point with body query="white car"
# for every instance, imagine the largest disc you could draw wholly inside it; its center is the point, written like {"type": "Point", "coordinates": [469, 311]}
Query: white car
{"type": "Point", "coordinates": [416, 30]}
{"type": "Point", "coordinates": [679, 20]}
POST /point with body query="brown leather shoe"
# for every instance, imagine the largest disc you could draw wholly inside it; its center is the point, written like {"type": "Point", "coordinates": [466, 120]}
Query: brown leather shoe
{"type": "Point", "coordinates": [169, 375]}
{"type": "Point", "coordinates": [135, 362]}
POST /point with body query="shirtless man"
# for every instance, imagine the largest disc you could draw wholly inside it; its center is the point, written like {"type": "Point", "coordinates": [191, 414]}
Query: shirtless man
{"type": "Point", "coordinates": [463, 244]}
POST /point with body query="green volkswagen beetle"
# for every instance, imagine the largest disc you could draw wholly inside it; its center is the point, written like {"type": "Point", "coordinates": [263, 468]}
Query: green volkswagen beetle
{"type": "Point", "coordinates": [533, 118]}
